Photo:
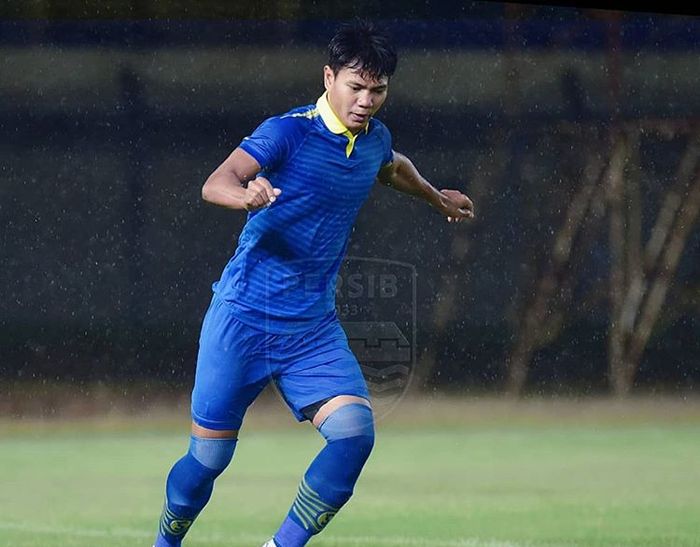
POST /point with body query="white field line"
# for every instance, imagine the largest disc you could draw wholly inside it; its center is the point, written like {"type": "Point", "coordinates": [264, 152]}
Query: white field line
{"type": "Point", "coordinates": [126, 533]}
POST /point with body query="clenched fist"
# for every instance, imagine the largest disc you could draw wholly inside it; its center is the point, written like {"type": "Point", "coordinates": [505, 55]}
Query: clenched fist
{"type": "Point", "coordinates": [455, 205]}
{"type": "Point", "coordinates": [259, 194]}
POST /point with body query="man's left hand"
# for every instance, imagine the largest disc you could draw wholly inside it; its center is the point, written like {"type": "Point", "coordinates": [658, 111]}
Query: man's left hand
{"type": "Point", "coordinates": [455, 206]}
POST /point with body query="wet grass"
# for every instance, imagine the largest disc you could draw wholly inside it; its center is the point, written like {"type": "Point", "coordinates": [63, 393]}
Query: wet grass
{"type": "Point", "coordinates": [443, 473]}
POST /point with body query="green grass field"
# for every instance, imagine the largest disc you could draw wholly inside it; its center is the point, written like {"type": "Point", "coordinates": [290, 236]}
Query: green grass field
{"type": "Point", "coordinates": [449, 474]}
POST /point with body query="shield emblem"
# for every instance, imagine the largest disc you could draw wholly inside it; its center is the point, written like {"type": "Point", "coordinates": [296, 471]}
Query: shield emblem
{"type": "Point", "coordinates": [376, 304]}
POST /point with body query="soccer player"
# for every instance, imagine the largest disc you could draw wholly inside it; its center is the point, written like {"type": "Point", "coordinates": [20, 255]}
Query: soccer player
{"type": "Point", "coordinates": [302, 176]}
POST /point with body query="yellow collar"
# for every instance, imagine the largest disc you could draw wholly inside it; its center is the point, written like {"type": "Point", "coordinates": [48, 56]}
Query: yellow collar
{"type": "Point", "coordinates": [334, 124]}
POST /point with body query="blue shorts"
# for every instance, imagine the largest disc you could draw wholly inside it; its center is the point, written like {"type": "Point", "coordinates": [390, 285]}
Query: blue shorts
{"type": "Point", "coordinates": [236, 361]}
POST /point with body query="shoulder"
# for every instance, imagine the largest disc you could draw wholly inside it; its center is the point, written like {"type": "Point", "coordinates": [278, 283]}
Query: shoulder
{"type": "Point", "coordinates": [378, 125]}
{"type": "Point", "coordinates": [294, 122]}
{"type": "Point", "coordinates": [301, 114]}
{"type": "Point", "coordinates": [278, 137]}
{"type": "Point", "coordinates": [381, 130]}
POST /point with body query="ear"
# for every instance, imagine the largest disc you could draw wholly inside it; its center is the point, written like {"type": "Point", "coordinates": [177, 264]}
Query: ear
{"type": "Point", "coordinates": [328, 77]}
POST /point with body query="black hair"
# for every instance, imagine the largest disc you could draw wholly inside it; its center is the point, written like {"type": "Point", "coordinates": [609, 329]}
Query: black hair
{"type": "Point", "coordinates": [361, 45]}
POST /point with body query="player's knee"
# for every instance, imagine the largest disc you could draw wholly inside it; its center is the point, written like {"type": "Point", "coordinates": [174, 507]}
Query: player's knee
{"type": "Point", "coordinates": [352, 421]}
{"type": "Point", "coordinates": [214, 454]}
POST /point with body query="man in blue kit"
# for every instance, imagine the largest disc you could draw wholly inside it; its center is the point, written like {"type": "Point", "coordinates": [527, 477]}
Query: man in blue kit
{"type": "Point", "coordinates": [302, 177]}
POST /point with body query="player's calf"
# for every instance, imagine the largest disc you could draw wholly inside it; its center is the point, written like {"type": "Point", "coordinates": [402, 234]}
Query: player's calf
{"type": "Point", "coordinates": [190, 485]}
{"type": "Point", "coordinates": [330, 480]}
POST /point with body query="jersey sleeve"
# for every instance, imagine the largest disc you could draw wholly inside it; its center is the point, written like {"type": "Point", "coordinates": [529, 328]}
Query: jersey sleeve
{"type": "Point", "coordinates": [271, 143]}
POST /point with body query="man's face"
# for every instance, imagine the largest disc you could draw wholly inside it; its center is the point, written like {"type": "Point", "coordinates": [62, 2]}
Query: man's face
{"type": "Point", "coordinates": [354, 98]}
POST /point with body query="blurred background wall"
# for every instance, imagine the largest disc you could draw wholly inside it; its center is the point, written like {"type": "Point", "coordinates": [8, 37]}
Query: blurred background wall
{"type": "Point", "coordinates": [111, 118]}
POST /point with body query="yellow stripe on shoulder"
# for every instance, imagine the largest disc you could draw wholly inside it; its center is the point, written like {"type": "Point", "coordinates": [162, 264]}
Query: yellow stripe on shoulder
{"type": "Point", "coordinates": [310, 114]}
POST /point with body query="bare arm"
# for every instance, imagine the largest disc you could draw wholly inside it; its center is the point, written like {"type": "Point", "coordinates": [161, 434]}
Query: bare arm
{"type": "Point", "coordinates": [403, 176]}
{"type": "Point", "coordinates": [226, 186]}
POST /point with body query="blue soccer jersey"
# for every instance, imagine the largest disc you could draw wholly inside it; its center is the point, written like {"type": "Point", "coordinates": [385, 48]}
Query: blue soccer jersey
{"type": "Point", "coordinates": [282, 276]}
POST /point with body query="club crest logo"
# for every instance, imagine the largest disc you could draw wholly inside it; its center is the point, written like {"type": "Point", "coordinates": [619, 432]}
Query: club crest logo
{"type": "Point", "coordinates": [324, 518]}
{"type": "Point", "coordinates": [172, 524]}
{"type": "Point", "coordinates": [376, 304]}
{"type": "Point", "coordinates": [179, 526]}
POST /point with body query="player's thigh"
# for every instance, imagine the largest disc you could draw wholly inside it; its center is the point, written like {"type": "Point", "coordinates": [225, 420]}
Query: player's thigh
{"type": "Point", "coordinates": [321, 369]}
{"type": "Point", "coordinates": [229, 376]}
{"type": "Point", "coordinates": [319, 411]}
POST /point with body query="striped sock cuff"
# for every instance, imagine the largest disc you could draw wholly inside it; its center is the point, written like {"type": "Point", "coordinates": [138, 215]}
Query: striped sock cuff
{"type": "Point", "coordinates": [172, 526]}
{"type": "Point", "coordinates": [310, 510]}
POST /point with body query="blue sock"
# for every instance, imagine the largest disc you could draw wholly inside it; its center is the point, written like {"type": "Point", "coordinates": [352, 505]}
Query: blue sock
{"type": "Point", "coordinates": [190, 485]}
{"type": "Point", "coordinates": [331, 477]}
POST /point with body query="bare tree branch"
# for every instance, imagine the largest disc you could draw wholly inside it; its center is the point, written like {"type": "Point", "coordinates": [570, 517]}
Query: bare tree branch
{"type": "Point", "coordinates": [639, 276]}
{"type": "Point", "coordinates": [529, 335]}
{"type": "Point", "coordinates": [685, 221]}
{"type": "Point", "coordinates": [615, 187]}
{"type": "Point", "coordinates": [634, 275]}
{"type": "Point", "coordinates": [663, 251]}
{"type": "Point", "coordinates": [672, 202]}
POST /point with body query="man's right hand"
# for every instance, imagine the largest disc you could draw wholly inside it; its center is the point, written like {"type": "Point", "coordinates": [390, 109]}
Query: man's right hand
{"type": "Point", "coordinates": [226, 185]}
{"type": "Point", "coordinates": [259, 194]}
